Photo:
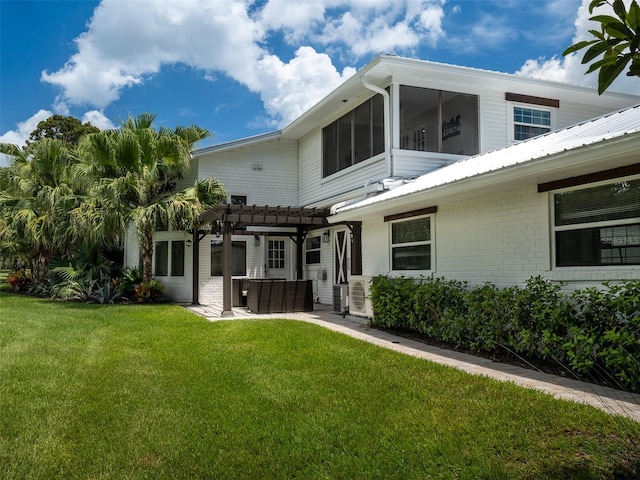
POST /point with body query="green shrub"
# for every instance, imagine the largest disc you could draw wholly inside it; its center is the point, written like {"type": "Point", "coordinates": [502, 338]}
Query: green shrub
{"type": "Point", "coordinates": [595, 332]}
{"type": "Point", "coordinates": [149, 292]}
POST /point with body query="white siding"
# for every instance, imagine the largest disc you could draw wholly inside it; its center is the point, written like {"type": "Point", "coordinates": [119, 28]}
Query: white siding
{"type": "Point", "coordinates": [502, 238]}
{"type": "Point", "coordinates": [178, 289]}
{"type": "Point", "coordinates": [267, 173]}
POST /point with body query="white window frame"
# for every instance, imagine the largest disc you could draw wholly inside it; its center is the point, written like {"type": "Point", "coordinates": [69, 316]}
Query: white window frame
{"type": "Point", "coordinates": [511, 106]}
{"type": "Point", "coordinates": [315, 249]}
{"type": "Point", "coordinates": [579, 226]}
{"type": "Point", "coordinates": [169, 265]}
{"type": "Point", "coordinates": [430, 242]}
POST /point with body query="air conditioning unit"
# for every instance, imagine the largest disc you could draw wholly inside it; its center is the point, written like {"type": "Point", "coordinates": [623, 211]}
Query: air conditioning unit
{"type": "Point", "coordinates": [340, 298]}
{"type": "Point", "coordinates": [359, 301]}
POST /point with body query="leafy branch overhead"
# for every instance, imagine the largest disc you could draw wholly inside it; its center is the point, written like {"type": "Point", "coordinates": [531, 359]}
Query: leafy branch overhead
{"type": "Point", "coordinates": [616, 46]}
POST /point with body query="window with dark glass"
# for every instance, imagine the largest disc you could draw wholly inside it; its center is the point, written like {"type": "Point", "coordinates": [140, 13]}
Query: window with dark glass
{"type": "Point", "coordinates": [238, 199]}
{"type": "Point", "coordinates": [238, 258]}
{"type": "Point", "coordinates": [411, 244]}
{"type": "Point", "coordinates": [438, 121]}
{"type": "Point", "coordinates": [312, 247]}
{"type": "Point", "coordinates": [598, 225]}
{"type": "Point", "coordinates": [162, 259]}
{"type": "Point", "coordinates": [354, 137]}
{"type": "Point", "coordinates": [177, 258]}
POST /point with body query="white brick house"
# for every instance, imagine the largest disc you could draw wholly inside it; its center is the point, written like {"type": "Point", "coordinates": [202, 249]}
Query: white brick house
{"type": "Point", "coordinates": [404, 147]}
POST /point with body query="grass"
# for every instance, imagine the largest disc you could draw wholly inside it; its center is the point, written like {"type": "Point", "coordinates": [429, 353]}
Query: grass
{"type": "Point", "coordinates": [132, 392]}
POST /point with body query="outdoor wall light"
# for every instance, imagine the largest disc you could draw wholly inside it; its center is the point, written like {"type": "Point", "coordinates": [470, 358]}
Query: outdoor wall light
{"type": "Point", "coordinates": [326, 236]}
{"type": "Point", "coordinates": [256, 240]}
{"type": "Point", "coordinates": [189, 243]}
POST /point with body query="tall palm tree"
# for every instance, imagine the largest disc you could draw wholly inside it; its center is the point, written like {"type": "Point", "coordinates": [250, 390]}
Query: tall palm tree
{"type": "Point", "coordinates": [133, 172]}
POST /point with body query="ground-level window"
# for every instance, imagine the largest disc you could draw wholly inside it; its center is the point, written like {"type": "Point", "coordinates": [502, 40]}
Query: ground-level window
{"type": "Point", "coordinates": [598, 225]}
{"type": "Point", "coordinates": [165, 258]}
{"type": "Point", "coordinates": [312, 246]}
{"type": "Point", "coordinates": [411, 244]}
{"type": "Point", "coordinates": [275, 254]}
{"type": "Point", "coordinates": [529, 122]}
{"type": "Point", "coordinates": [238, 258]}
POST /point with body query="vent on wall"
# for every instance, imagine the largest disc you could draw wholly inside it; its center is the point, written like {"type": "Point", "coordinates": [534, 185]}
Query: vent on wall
{"type": "Point", "coordinates": [359, 301]}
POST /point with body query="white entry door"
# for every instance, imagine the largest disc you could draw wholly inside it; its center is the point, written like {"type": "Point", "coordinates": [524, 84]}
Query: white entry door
{"type": "Point", "coordinates": [277, 258]}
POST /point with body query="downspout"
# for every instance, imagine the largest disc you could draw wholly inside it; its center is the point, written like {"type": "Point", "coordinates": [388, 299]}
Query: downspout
{"type": "Point", "coordinates": [387, 122]}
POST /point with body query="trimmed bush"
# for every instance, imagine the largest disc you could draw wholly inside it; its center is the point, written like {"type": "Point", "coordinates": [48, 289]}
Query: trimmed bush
{"type": "Point", "coordinates": [596, 331]}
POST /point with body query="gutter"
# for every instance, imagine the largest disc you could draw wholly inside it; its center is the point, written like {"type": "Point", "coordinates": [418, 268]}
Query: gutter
{"type": "Point", "coordinates": [387, 122]}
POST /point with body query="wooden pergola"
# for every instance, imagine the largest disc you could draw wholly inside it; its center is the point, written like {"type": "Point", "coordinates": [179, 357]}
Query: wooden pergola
{"type": "Point", "coordinates": [232, 219]}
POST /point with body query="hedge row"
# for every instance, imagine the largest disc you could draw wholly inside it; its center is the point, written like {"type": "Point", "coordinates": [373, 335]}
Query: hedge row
{"type": "Point", "coordinates": [595, 331]}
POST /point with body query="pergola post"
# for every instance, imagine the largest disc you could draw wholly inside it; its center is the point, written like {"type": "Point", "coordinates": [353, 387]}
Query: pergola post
{"type": "Point", "coordinates": [195, 284]}
{"type": "Point", "coordinates": [299, 240]}
{"type": "Point", "coordinates": [226, 270]}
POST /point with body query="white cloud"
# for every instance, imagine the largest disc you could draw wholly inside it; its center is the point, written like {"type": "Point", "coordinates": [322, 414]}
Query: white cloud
{"type": "Point", "coordinates": [127, 42]}
{"type": "Point", "coordinates": [20, 135]}
{"type": "Point", "coordinates": [569, 69]}
{"type": "Point", "coordinates": [289, 89]}
{"type": "Point", "coordinates": [98, 119]}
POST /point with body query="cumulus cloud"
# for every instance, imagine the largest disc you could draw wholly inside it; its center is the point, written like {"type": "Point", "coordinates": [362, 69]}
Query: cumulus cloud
{"type": "Point", "coordinates": [20, 135]}
{"type": "Point", "coordinates": [98, 119]}
{"type": "Point", "coordinates": [570, 69]}
{"type": "Point", "coordinates": [119, 51]}
{"type": "Point", "coordinates": [289, 89]}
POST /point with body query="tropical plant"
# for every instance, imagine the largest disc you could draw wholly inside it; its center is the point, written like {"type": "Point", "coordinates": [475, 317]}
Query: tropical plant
{"type": "Point", "coordinates": [615, 46]}
{"type": "Point", "coordinates": [38, 192]}
{"type": "Point", "coordinates": [133, 172]}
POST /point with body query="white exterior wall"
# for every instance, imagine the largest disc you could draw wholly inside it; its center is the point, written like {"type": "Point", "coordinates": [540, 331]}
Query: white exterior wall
{"type": "Point", "coordinates": [178, 289]}
{"type": "Point", "coordinates": [210, 286]}
{"type": "Point", "coordinates": [267, 173]}
{"type": "Point", "coordinates": [503, 238]}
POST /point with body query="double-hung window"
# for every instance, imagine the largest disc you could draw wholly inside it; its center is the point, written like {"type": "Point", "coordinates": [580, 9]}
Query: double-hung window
{"type": "Point", "coordinates": [598, 225]}
{"type": "Point", "coordinates": [312, 246]}
{"type": "Point", "coordinates": [530, 122]}
{"type": "Point", "coordinates": [411, 244]}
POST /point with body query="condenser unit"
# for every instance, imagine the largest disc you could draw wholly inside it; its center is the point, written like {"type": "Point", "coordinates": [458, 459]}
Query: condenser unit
{"type": "Point", "coordinates": [340, 298]}
{"type": "Point", "coordinates": [359, 301]}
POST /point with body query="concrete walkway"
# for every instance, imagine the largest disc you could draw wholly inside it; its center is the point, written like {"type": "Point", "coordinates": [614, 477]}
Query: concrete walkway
{"type": "Point", "coordinates": [610, 400]}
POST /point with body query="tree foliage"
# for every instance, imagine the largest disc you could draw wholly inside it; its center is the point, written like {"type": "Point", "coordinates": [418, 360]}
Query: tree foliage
{"type": "Point", "coordinates": [67, 129]}
{"type": "Point", "coordinates": [616, 46]}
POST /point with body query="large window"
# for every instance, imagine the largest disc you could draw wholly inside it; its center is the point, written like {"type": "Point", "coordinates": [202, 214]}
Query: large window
{"type": "Point", "coordinates": [356, 136]}
{"type": "Point", "coordinates": [530, 122]}
{"type": "Point", "coordinates": [411, 244]}
{"type": "Point", "coordinates": [238, 258]}
{"type": "Point", "coordinates": [312, 247]}
{"type": "Point", "coordinates": [163, 258]}
{"type": "Point", "coordinates": [438, 121]}
{"type": "Point", "coordinates": [598, 225]}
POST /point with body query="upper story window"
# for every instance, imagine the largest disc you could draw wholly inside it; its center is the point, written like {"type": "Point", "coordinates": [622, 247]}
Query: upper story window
{"type": "Point", "coordinates": [238, 199]}
{"type": "Point", "coordinates": [354, 137]}
{"type": "Point", "coordinates": [411, 242]}
{"type": "Point", "coordinates": [598, 225]}
{"type": "Point", "coordinates": [530, 116]}
{"type": "Point", "coordinates": [530, 122]}
{"type": "Point", "coordinates": [438, 121]}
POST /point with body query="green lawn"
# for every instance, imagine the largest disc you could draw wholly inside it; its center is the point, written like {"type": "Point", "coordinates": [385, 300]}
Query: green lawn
{"type": "Point", "coordinates": [118, 392]}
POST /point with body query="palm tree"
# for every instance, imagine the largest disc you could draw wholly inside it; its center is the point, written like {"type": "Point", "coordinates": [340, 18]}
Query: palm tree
{"type": "Point", "coordinates": [36, 195]}
{"type": "Point", "coordinates": [133, 172]}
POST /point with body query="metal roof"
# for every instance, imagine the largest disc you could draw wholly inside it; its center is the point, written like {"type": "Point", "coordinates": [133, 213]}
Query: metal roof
{"type": "Point", "coordinates": [588, 134]}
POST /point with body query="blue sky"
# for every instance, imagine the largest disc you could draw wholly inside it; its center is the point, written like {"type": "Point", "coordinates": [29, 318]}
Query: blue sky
{"type": "Point", "coordinates": [242, 67]}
